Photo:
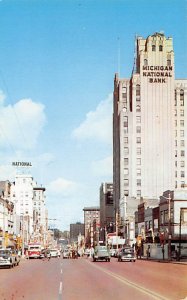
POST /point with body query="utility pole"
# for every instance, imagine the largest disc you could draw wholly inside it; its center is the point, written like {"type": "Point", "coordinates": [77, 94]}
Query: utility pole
{"type": "Point", "coordinates": [169, 227]}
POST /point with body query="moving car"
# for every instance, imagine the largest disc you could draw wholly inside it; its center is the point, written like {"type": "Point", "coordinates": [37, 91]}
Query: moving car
{"type": "Point", "coordinates": [101, 253]}
{"type": "Point", "coordinates": [66, 253]}
{"type": "Point", "coordinates": [34, 250]}
{"type": "Point", "coordinates": [54, 252]}
{"type": "Point", "coordinates": [45, 253]}
{"type": "Point", "coordinates": [112, 252]}
{"type": "Point", "coordinates": [127, 254]}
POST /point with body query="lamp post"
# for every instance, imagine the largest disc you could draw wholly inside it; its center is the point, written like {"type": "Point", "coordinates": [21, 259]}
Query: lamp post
{"type": "Point", "coordinates": [180, 234]}
{"type": "Point", "coordinates": [169, 227]}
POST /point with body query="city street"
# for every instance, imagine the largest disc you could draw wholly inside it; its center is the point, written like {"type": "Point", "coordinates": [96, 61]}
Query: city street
{"type": "Point", "coordinates": [74, 279]}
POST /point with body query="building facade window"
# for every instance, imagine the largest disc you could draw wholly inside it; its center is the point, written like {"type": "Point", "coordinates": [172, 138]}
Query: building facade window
{"type": "Point", "coordinates": [138, 151]}
{"type": "Point", "coordinates": [126, 192]}
{"type": "Point", "coordinates": [160, 48]}
{"type": "Point", "coordinates": [126, 161]}
{"type": "Point", "coordinates": [138, 119]}
{"type": "Point", "coordinates": [153, 48]}
{"type": "Point", "coordinates": [182, 112]}
{"type": "Point", "coordinates": [182, 123]}
{"type": "Point", "coordinates": [181, 97]}
{"type": "Point", "coordinates": [138, 172]}
{"type": "Point", "coordinates": [126, 151]}
{"type": "Point", "coordinates": [182, 153]}
{"type": "Point", "coordinates": [126, 182]}
{"type": "Point", "coordinates": [126, 140]}
{"type": "Point", "coordinates": [138, 161]}
{"type": "Point", "coordinates": [182, 174]}
{"type": "Point", "coordinates": [138, 140]}
{"type": "Point", "coordinates": [138, 129]}
{"type": "Point", "coordinates": [182, 143]}
{"type": "Point", "coordinates": [169, 62]}
{"type": "Point", "coordinates": [137, 90]}
{"type": "Point", "coordinates": [126, 171]}
{"type": "Point", "coordinates": [182, 163]}
{"type": "Point", "coordinates": [182, 184]}
{"type": "Point", "coordinates": [138, 182]}
{"type": "Point", "coordinates": [125, 121]}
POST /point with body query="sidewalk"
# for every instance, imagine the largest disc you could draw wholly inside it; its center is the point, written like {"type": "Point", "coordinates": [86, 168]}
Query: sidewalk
{"type": "Point", "coordinates": [183, 261]}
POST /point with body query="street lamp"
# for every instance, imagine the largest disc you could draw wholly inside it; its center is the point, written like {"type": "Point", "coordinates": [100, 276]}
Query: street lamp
{"type": "Point", "coordinates": [169, 227]}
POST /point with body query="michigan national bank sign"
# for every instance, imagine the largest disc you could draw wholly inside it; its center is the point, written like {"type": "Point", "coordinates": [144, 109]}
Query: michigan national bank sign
{"type": "Point", "coordinates": [157, 74]}
{"type": "Point", "coordinates": [21, 164]}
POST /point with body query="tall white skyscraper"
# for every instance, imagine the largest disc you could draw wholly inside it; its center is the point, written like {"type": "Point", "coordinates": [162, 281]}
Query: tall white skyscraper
{"type": "Point", "coordinates": [149, 125]}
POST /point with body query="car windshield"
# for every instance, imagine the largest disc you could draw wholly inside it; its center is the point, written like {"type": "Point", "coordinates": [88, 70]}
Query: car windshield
{"type": "Point", "coordinates": [128, 250]}
{"type": "Point", "coordinates": [3, 252]}
{"type": "Point", "coordinates": [34, 248]}
{"type": "Point", "coordinates": [102, 248]}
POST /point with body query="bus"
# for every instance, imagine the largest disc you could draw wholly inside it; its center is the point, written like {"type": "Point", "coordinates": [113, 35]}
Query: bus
{"type": "Point", "coordinates": [34, 250]}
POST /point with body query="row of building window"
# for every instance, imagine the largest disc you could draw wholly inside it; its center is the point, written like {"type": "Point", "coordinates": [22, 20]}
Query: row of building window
{"type": "Point", "coordinates": [138, 160]}
{"type": "Point", "coordinates": [181, 123]}
{"type": "Point", "coordinates": [181, 133]}
{"type": "Point", "coordinates": [126, 182]}
{"type": "Point", "coordinates": [182, 153]}
{"type": "Point", "coordinates": [182, 184]}
{"type": "Point", "coordinates": [181, 112]}
{"type": "Point", "coordinates": [182, 164]}
{"type": "Point", "coordinates": [138, 193]}
{"type": "Point", "coordinates": [182, 174]}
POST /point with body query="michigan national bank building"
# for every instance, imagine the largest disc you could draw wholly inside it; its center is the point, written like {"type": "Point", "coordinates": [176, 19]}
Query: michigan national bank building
{"type": "Point", "coordinates": [149, 126]}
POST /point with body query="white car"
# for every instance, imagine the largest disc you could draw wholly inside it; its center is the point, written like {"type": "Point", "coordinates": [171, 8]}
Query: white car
{"type": "Point", "coordinates": [8, 258]}
{"type": "Point", "coordinates": [54, 252]}
{"type": "Point", "coordinates": [66, 253]}
{"type": "Point", "coordinates": [112, 252]}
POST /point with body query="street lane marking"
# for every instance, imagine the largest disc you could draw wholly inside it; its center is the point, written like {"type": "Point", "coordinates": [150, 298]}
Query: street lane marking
{"type": "Point", "coordinates": [60, 288]}
{"type": "Point", "coordinates": [129, 283]}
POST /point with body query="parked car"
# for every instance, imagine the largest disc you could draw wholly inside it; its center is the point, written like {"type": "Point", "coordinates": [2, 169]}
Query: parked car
{"type": "Point", "coordinates": [101, 253]}
{"type": "Point", "coordinates": [8, 258]}
{"type": "Point", "coordinates": [127, 254]}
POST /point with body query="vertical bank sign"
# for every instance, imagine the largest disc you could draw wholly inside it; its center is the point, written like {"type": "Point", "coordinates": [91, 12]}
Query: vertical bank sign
{"type": "Point", "coordinates": [157, 74]}
{"type": "Point", "coordinates": [21, 164]}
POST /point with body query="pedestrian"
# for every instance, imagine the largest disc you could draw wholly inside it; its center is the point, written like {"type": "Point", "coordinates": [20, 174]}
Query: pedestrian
{"type": "Point", "coordinates": [49, 255]}
{"type": "Point", "coordinates": [148, 251]}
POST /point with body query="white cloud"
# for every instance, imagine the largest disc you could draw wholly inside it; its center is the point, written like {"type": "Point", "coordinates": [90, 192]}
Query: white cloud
{"type": "Point", "coordinates": [63, 187]}
{"type": "Point", "coordinates": [103, 167]}
{"type": "Point", "coordinates": [21, 124]}
{"type": "Point", "coordinates": [2, 97]}
{"type": "Point", "coordinates": [98, 123]}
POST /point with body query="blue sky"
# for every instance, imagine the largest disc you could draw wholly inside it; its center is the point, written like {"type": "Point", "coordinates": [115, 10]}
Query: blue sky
{"type": "Point", "coordinates": [57, 63]}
